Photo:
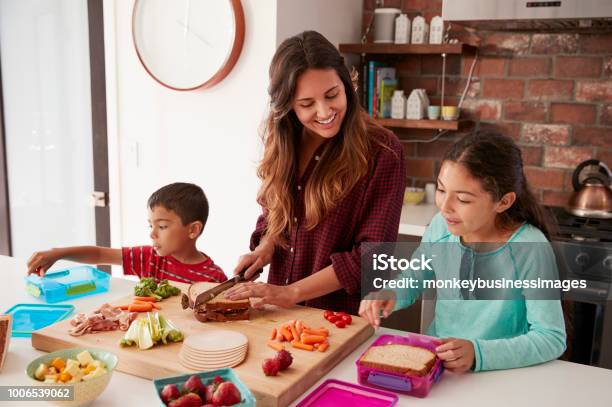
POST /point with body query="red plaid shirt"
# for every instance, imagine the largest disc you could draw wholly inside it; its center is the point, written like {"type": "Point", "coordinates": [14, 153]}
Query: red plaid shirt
{"type": "Point", "coordinates": [142, 261]}
{"type": "Point", "coordinates": [370, 212]}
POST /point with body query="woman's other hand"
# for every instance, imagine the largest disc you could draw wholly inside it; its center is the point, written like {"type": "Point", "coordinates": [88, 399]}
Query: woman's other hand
{"type": "Point", "coordinates": [282, 296]}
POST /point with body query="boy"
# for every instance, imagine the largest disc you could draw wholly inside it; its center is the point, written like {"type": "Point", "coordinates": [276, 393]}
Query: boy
{"type": "Point", "coordinates": [177, 215]}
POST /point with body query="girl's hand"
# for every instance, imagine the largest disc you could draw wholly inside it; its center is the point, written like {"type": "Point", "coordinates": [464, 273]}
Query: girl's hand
{"type": "Point", "coordinates": [40, 262]}
{"type": "Point", "coordinates": [256, 260]}
{"type": "Point", "coordinates": [457, 354]}
{"type": "Point", "coordinates": [283, 296]}
{"type": "Point", "coordinates": [372, 305]}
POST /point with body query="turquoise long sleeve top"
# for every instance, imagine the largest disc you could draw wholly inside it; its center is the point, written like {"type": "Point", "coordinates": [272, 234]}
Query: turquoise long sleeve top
{"type": "Point", "coordinates": [506, 333]}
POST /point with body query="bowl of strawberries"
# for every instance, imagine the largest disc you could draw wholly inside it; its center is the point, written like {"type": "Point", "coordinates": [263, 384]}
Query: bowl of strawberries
{"type": "Point", "coordinates": [213, 388]}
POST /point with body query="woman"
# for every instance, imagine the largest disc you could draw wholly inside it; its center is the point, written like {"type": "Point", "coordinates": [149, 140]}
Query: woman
{"type": "Point", "coordinates": [331, 180]}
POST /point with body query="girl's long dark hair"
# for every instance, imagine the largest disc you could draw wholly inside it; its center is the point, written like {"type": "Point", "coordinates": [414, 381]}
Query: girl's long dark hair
{"type": "Point", "coordinates": [497, 162]}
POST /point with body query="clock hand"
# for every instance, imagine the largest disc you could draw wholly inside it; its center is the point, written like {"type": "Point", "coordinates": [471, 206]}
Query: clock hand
{"type": "Point", "coordinates": [194, 33]}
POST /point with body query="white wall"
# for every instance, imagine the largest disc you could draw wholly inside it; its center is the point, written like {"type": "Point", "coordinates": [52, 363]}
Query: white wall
{"type": "Point", "coordinates": [208, 137]}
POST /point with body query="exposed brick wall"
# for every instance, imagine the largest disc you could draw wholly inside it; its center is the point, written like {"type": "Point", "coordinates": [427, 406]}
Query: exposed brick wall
{"type": "Point", "coordinates": [552, 93]}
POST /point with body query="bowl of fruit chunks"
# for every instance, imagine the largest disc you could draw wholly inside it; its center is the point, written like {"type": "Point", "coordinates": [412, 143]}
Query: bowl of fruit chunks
{"type": "Point", "coordinates": [213, 388]}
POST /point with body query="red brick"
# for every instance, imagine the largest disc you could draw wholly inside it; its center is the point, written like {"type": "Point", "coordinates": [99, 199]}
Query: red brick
{"type": "Point", "coordinates": [607, 66]}
{"type": "Point", "coordinates": [409, 149]}
{"type": "Point", "coordinates": [512, 130]}
{"type": "Point", "coordinates": [596, 44]}
{"type": "Point", "coordinates": [605, 156]}
{"type": "Point", "coordinates": [419, 82]}
{"type": "Point", "coordinates": [566, 157]}
{"type": "Point", "coordinates": [594, 91]}
{"type": "Point", "coordinates": [550, 134]}
{"type": "Point", "coordinates": [545, 89]}
{"type": "Point", "coordinates": [554, 43]}
{"type": "Point", "coordinates": [555, 198]}
{"type": "Point", "coordinates": [592, 136]}
{"type": "Point", "coordinates": [529, 67]}
{"type": "Point", "coordinates": [419, 167]}
{"type": "Point", "coordinates": [525, 111]}
{"type": "Point", "coordinates": [435, 149]}
{"type": "Point", "coordinates": [409, 66]}
{"type": "Point", "coordinates": [503, 88]}
{"type": "Point", "coordinates": [532, 155]}
{"type": "Point", "coordinates": [461, 34]}
{"type": "Point", "coordinates": [392, 3]}
{"type": "Point", "coordinates": [432, 65]}
{"type": "Point", "coordinates": [485, 66]}
{"type": "Point", "coordinates": [456, 85]}
{"type": "Point", "coordinates": [606, 115]}
{"type": "Point", "coordinates": [420, 5]}
{"type": "Point", "coordinates": [572, 113]}
{"type": "Point", "coordinates": [546, 179]}
{"type": "Point", "coordinates": [577, 67]}
{"type": "Point", "coordinates": [506, 43]}
{"type": "Point", "coordinates": [481, 109]}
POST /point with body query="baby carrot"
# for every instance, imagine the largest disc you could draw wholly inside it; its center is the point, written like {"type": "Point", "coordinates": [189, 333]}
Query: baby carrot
{"type": "Point", "coordinates": [300, 345]}
{"type": "Point", "coordinates": [294, 332]}
{"type": "Point", "coordinates": [273, 333]}
{"type": "Point", "coordinates": [140, 307]}
{"type": "Point", "coordinates": [279, 336]}
{"type": "Point", "coordinates": [320, 332]}
{"type": "Point", "coordinates": [312, 339]}
{"type": "Point", "coordinates": [323, 347]}
{"type": "Point", "coordinates": [276, 346]}
{"type": "Point", "coordinates": [146, 302]}
{"type": "Point", "coordinates": [122, 307]}
{"type": "Point", "coordinates": [286, 333]}
{"type": "Point", "coordinates": [147, 299]}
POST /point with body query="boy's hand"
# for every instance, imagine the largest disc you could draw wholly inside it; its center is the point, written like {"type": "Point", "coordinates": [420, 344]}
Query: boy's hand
{"type": "Point", "coordinates": [457, 354]}
{"type": "Point", "coordinates": [40, 262]}
{"type": "Point", "coordinates": [256, 260]}
{"type": "Point", "coordinates": [372, 305]}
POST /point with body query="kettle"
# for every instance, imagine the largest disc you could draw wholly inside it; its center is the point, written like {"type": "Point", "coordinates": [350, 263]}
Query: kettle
{"type": "Point", "coordinates": [592, 197]}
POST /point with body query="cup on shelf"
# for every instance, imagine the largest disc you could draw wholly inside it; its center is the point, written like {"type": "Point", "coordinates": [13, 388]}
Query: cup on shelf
{"type": "Point", "coordinates": [433, 112]}
{"type": "Point", "coordinates": [430, 193]}
{"type": "Point", "coordinates": [384, 24]}
{"type": "Point", "coordinates": [450, 112]}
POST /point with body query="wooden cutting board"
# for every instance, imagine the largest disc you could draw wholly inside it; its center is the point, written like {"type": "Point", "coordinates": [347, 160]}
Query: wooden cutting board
{"type": "Point", "coordinates": [162, 360]}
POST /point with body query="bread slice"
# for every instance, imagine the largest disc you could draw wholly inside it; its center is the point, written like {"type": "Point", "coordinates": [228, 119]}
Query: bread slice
{"type": "Point", "coordinates": [220, 303]}
{"type": "Point", "coordinates": [5, 337]}
{"type": "Point", "coordinates": [396, 358]}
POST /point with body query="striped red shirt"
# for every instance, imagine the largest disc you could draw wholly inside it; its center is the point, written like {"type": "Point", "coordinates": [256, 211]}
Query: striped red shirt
{"type": "Point", "coordinates": [142, 261]}
{"type": "Point", "coordinates": [370, 212]}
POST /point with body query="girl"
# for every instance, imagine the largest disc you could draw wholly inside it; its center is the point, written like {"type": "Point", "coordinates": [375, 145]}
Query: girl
{"type": "Point", "coordinates": [331, 179]}
{"type": "Point", "coordinates": [484, 200]}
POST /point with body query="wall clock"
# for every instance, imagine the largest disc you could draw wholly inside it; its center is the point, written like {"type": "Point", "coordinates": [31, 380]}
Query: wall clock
{"type": "Point", "coordinates": [188, 44]}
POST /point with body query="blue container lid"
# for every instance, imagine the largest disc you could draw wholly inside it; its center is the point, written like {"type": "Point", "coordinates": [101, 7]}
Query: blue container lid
{"type": "Point", "coordinates": [67, 284]}
{"type": "Point", "coordinates": [31, 317]}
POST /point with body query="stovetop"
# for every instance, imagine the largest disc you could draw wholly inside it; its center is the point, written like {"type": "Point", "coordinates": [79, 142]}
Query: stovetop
{"type": "Point", "coordinates": [572, 227]}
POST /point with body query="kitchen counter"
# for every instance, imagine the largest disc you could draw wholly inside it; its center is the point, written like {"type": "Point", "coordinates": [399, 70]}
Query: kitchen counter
{"type": "Point", "coordinates": [415, 218]}
{"type": "Point", "coordinates": [555, 383]}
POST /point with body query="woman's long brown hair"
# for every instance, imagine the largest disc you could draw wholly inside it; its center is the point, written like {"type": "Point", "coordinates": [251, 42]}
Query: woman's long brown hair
{"type": "Point", "coordinates": [344, 159]}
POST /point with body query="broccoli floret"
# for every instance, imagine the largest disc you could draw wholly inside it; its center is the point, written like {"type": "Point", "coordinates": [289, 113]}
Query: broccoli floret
{"type": "Point", "coordinates": [165, 290]}
{"type": "Point", "coordinates": [146, 288]}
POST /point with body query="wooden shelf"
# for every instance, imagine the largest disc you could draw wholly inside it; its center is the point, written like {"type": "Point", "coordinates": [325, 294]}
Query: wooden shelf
{"type": "Point", "coordinates": [425, 124]}
{"type": "Point", "coordinates": [371, 48]}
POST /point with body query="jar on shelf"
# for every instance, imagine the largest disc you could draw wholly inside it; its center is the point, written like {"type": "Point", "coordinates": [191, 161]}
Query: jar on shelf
{"type": "Point", "coordinates": [402, 29]}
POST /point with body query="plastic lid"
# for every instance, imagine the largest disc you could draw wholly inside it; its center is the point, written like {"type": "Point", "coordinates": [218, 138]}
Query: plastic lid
{"type": "Point", "coordinates": [31, 317]}
{"type": "Point", "coordinates": [332, 393]}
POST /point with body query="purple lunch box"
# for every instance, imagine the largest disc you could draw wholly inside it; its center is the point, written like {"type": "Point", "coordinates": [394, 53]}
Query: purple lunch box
{"type": "Point", "coordinates": [417, 386]}
{"type": "Point", "coordinates": [333, 393]}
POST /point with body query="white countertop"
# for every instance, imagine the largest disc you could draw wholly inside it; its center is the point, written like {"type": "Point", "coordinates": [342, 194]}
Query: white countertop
{"type": "Point", "coordinates": [415, 218]}
{"type": "Point", "coordinates": [555, 383]}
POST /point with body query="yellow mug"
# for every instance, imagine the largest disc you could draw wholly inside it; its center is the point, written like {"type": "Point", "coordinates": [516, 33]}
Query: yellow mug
{"type": "Point", "coordinates": [450, 112]}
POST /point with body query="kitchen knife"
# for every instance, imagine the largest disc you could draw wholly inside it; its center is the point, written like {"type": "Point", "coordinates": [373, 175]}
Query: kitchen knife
{"type": "Point", "coordinates": [208, 295]}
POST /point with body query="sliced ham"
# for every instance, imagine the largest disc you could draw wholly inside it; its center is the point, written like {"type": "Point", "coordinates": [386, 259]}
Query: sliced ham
{"type": "Point", "coordinates": [105, 318]}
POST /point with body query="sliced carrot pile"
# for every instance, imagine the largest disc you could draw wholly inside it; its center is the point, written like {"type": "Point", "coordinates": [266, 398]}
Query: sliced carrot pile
{"type": "Point", "coordinates": [300, 336]}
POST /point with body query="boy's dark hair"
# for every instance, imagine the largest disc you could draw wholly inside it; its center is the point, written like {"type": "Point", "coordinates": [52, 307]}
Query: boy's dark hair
{"type": "Point", "coordinates": [497, 162]}
{"type": "Point", "coordinates": [188, 201]}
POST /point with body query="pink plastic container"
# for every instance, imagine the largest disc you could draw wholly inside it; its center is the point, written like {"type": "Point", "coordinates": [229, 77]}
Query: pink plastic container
{"type": "Point", "coordinates": [417, 386]}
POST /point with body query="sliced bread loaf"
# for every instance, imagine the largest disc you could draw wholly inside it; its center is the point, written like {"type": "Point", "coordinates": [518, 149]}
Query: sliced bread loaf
{"type": "Point", "coordinates": [397, 358]}
{"type": "Point", "coordinates": [5, 337]}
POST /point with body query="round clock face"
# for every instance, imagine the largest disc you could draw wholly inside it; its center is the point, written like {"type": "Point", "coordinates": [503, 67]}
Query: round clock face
{"type": "Point", "coordinates": [188, 44]}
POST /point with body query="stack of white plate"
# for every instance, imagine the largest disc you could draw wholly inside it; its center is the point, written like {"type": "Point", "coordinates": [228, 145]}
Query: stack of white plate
{"type": "Point", "coordinates": [213, 350]}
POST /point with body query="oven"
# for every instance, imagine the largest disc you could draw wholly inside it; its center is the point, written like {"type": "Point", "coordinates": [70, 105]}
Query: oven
{"type": "Point", "coordinates": [583, 250]}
